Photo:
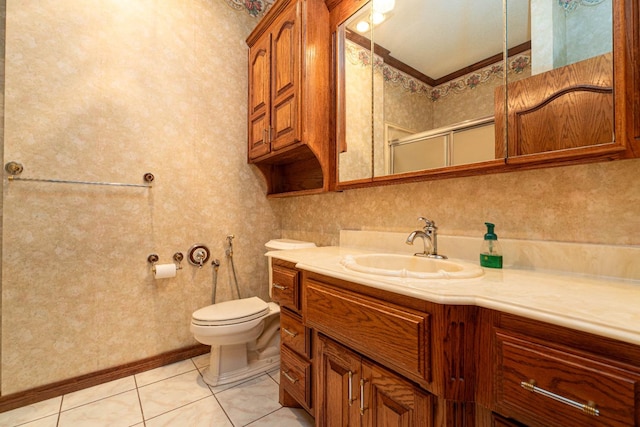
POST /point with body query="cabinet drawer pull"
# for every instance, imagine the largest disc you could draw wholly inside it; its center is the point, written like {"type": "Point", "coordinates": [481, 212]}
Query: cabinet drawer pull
{"type": "Point", "coordinates": [288, 332]}
{"type": "Point", "coordinates": [588, 408]}
{"type": "Point", "coordinates": [362, 407]}
{"type": "Point", "coordinates": [279, 286]}
{"type": "Point", "coordinates": [289, 377]}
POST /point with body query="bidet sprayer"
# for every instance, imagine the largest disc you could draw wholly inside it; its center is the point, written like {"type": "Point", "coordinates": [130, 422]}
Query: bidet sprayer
{"type": "Point", "coordinates": [229, 250]}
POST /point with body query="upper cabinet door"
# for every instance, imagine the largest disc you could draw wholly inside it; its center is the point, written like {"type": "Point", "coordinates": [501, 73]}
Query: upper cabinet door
{"type": "Point", "coordinates": [563, 108]}
{"type": "Point", "coordinates": [285, 74]}
{"type": "Point", "coordinates": [259, 97]}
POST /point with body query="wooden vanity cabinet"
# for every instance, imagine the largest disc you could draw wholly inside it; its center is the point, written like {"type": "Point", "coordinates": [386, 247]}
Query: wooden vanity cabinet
{"type": "Point", "coordinates": [296, 373]}
{"type": "Point", "coordinates": [357, 355]}
{"type": "Point", "coordinates": [289, 105]}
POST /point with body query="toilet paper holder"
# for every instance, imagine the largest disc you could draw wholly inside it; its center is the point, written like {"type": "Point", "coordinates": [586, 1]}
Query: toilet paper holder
{"type": "Point", "coordinates": [177, 257]}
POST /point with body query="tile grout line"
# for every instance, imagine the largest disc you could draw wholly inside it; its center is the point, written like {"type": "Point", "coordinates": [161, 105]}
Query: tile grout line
{"type": "Point", "coordinates": [217, 400]}
{"type": "Point", "coordinates": [59, 411]}
{"type": "Point", "coordinates": [264, 416]}
{"type": "Point", "coordinates": [174, 409]}
{"type": "Point", "coordinates": [135, 381]}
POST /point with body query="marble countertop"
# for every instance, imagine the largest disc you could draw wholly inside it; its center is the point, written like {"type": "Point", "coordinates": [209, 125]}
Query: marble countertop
{"type": "Point", "coordinates": [605, 307]}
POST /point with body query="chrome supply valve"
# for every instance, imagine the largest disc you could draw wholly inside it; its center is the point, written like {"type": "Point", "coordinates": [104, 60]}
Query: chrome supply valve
{"type": "Point", "coordinates": [428, 234]}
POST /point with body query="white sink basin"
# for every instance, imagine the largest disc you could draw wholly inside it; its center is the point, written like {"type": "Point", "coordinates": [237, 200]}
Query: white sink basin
{"type": "Point", "coordinates": [412, 266]}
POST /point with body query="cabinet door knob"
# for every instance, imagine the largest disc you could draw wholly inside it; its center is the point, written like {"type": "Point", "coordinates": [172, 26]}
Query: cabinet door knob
{"type": "Point", "coordinates": [279, 286]}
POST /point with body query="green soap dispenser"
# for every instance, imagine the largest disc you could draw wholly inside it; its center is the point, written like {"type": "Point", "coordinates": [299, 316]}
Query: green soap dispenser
{"type": "Point", "coordinates": [491, 253]}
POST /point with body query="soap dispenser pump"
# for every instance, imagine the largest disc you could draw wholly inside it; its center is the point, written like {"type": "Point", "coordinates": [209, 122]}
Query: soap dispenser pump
{"type": "Point", "coordinates": [491, 253]}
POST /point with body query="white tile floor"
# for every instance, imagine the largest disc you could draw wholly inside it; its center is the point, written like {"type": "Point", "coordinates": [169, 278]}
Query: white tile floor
{"type": "Point", "coordinates": [173, 395]}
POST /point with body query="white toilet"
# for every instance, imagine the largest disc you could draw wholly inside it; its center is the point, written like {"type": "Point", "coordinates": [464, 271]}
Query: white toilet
{"type": "Point", "coordinates": [244, 334]}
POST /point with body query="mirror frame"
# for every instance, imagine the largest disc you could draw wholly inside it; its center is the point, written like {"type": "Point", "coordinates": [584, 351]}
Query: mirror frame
{"type": "Point", "coordinates": [626, 102]}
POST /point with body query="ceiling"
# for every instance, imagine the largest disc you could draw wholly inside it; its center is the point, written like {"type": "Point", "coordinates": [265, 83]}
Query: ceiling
{"type": "Point", "coordinates": [439, 37]}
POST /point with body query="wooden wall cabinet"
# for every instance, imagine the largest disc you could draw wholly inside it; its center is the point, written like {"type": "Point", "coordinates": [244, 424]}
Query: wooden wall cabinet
{"type": "Point", "coordinates": [288, 136]}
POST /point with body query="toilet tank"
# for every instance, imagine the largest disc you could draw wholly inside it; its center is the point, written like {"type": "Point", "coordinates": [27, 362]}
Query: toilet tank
{"type": "Point", "coordinates": [284, 244]}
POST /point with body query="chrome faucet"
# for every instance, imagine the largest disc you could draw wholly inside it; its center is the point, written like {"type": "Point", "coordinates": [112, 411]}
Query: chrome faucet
{"type": "Point", "coordinates": [428, 234]}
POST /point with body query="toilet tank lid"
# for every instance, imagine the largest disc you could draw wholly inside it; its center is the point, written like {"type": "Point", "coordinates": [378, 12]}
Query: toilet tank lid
{"type": "Point", "coordinates": [283, 244]}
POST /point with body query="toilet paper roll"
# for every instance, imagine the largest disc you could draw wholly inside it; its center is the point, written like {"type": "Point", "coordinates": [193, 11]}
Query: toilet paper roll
{"type": "Point", "coordinates": [163, 271]}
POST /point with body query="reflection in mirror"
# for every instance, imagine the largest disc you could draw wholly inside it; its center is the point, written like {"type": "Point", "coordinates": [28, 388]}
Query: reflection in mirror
{"type": "Point", "coordinates": [355, 158]}
{"type": "Point", "coordinates": [435, 68]}
{"type": "Point", "coordinates": [567, 101]}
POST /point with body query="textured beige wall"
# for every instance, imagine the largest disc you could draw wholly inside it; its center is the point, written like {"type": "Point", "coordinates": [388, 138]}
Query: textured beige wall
{"type": "Point", "coordinates": [594, 203]}
{"type": "Point", "coordinates": [106, 91]}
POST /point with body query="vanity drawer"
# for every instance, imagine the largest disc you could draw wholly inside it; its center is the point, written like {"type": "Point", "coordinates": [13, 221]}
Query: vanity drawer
{"type": "Point", "coordinates": [295, 376]}
{"type": "Point", "coordinates": [394, 336]}
{"type": "Point", "coordinates": [285, 287]}
{"type": "Point", "coordinates": [293, 334]}
{"type": "Point", "coordinates": [542, 385]}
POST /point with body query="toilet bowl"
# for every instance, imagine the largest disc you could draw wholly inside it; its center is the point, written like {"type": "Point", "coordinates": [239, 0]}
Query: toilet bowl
{"type": "Point", "coordinates": [244, 334]}
{"type": "Point", "coordinates": [244, 338]}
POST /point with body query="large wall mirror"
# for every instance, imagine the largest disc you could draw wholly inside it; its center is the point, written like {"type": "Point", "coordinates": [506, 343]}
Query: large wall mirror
{"type": "Point", "coordinates": [423, 86]}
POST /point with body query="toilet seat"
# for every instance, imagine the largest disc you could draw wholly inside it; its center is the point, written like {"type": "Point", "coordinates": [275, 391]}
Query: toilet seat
{"type": "Point", "coordinates": [231, 312]}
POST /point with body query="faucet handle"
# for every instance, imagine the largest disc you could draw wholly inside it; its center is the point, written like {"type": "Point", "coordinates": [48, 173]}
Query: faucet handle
{"type": "Point", "coordinates": [427, 222]}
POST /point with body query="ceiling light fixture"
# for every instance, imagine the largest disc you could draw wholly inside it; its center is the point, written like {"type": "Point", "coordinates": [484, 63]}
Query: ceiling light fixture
{"type": "Point", "coordinates": [383, 6]}
{"type": "Point", "coordinates": [362, 27]}
{"type": "Point", "coordinates": [377, 17]}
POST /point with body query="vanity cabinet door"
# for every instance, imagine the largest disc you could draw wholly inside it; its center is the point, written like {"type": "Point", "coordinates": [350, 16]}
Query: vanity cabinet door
{"type": "Point", "coordinates": [392, 401]}
{"type": "Point", "coordinates": [338, 374]}
{"type": "Point", "coordinates": [353, 391]}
